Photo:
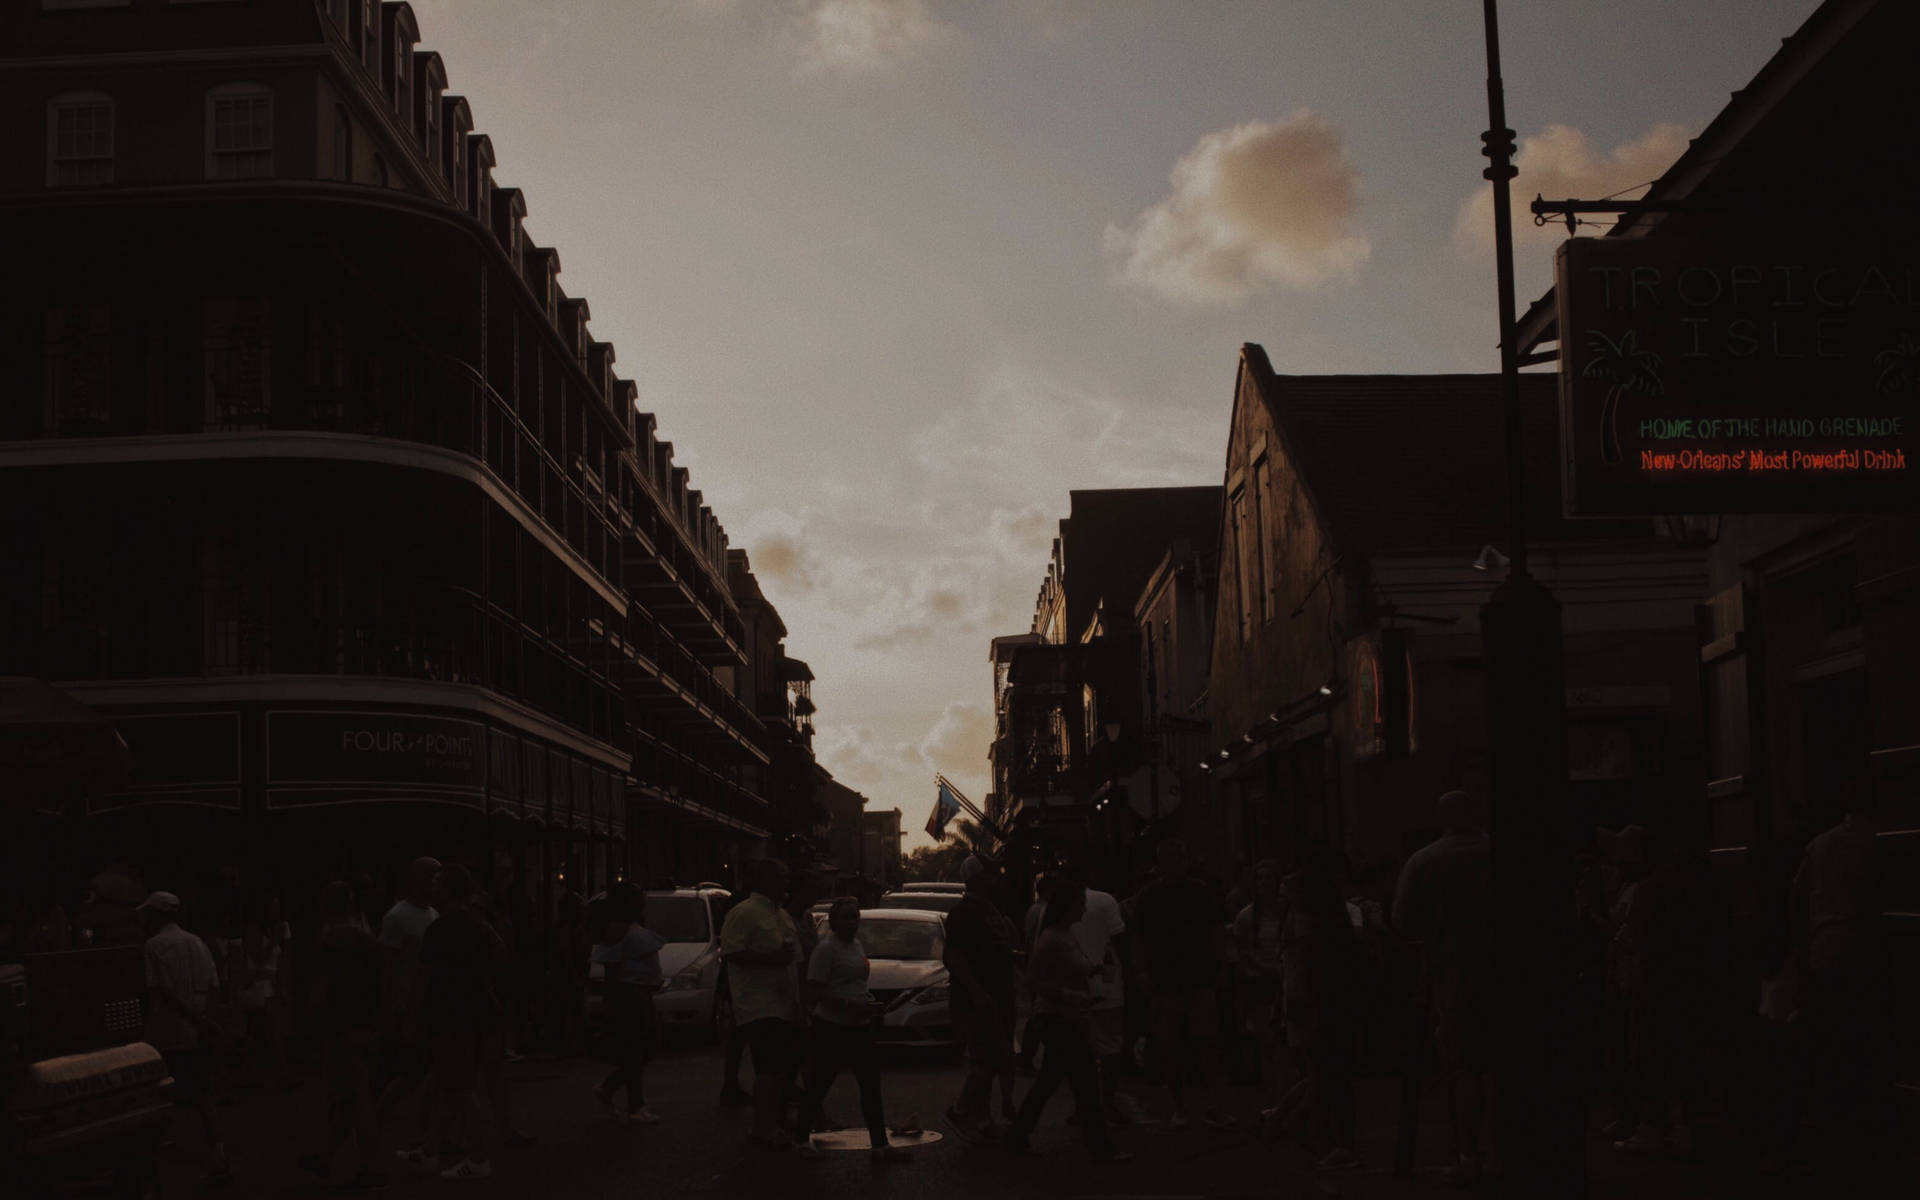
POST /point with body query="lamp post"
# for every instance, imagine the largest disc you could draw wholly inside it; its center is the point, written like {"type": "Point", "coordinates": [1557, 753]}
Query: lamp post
{"type": "Point", "coordinates": [1541, 1118]}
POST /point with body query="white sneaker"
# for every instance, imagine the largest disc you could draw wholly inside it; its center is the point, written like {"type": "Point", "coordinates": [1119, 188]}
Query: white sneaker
{"type": "Point", "coordinates": [467, 1168]}
{"type": "Point", "coordinates": [644, 1116]}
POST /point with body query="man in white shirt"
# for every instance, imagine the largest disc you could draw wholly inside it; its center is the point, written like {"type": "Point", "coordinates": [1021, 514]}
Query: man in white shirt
{"type": "Point", "coordinates": [180, 978]}
{"type": "Point", "coordinates": [1101, 933]}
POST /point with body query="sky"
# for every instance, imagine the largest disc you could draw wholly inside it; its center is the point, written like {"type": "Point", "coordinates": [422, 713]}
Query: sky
{"type": "Point", "coordinates": [896, 275]}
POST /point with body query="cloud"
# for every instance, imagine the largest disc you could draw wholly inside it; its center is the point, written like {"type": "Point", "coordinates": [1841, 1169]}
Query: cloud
{"type": "Point", "coordinates": [1560, 164]}
{"type": "Point", "coordinates": [946, 597]}
{"type": "Point", "coordinates": [856, 37]}
{"type": "Point", "coordinates": [778, 547]}
{"type": "Point", "coordinates": [1024, 535]}
{"type": "Point", "coordinates": [1258, 206]}
{"type": "Point", "coordinates": [957, 744]}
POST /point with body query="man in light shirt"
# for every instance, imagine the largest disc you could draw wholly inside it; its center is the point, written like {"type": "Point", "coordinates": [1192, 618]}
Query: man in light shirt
{"type": "Point", "coordinates": [760, 945]}
{"type": "Point", "coordinates": [180, 978]}
{"type": "Point", "coordinates": [1101, 933]}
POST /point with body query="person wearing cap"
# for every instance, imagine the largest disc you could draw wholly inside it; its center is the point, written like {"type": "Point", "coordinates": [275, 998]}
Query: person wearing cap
{"type": "Point", "coordinates": [979, 957]}
{"type": "Point", "coordinates": [180, 977]}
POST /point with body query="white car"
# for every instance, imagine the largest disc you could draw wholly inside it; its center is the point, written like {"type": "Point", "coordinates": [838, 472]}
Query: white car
{"type": "Point", "coordinates": [690, 920]}
{"type": "Point", "coordinates": [940, 902]}
{"type": "Point", "coordinates": [906, 948]}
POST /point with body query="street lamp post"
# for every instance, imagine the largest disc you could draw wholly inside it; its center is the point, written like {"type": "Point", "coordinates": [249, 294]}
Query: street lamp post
{"type": "Point", "coordinates": [1541, 1118]}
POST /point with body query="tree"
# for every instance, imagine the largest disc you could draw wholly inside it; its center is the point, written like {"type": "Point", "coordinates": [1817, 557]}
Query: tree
{"type": "Point", "coordinates": [940, 863]}
{"type": "Point", "coordinates": [1628, 369]}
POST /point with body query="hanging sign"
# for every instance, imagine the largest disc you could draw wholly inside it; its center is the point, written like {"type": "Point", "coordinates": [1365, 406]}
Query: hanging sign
{"type": "Point", "coordinates": [1738, 377]}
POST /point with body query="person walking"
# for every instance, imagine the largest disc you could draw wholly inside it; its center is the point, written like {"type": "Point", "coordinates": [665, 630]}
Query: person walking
{"type": "Point", "coordinates": [1182, 938]}
{"type": "Point", "coordinates": [1101, 933]}
{"type": "Point", "coordinates": [1060, 977]}
{"type": "Point", "coordinates": [1030, 933]}
{"type": "Point", "coordinates": [569, 953]}
{"type": "Point", "coordinates": [1257, 930]}
{"type": "Point", "coordinates": [979, 958]}
{"type": "Point", "coordinates": [180, 977]}
{"type": "Point", "coordinates": [843, 1014]}
{"type": "Point", "coordinates": [1319, 957]}
{"type": "Point", "coordinates": [631, 954]}
{"type": "Point", "coordinates": [759, 945]}
{"type": "Point", "coordinates": [345, 1012]}
{"type": "Point", "coordinates": [1444, 901]}
{"type": "Point", "coordinates": [461, 958]}
{"type": "Point", "coordinates": [404, 1057]}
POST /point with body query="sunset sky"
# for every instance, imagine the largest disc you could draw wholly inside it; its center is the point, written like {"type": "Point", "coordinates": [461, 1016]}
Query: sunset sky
{"type": "Point", "coordinates": [896, 275]}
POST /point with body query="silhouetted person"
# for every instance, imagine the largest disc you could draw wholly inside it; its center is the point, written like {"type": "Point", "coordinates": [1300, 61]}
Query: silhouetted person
{"type": "Point", "coordinates": [1320, 957]}
{"type": "Point", "coordinates": [1102, 936]}
{"type": "Point", "coordinates": [345, 1013]}
{"type": "Point", "coordinates": [1182, 938]}
{"type": "Point", "coordinates": [979, 957]}
{"type": "Point", "coordinates": [1444, 900]}
{"type": "Point", "coordinates": [1059, 976]}
{"type": "Point", "coordinates": [760, 945]}
{"type": "Point", "coordinates": [1839, 896]}
{"type": "Point", "coordinates": [568, 955]}
{"type": "Point", "coordinates": [844, 1011]}
{"type": "Point", "coordinates": [1030, 933]}
{"type": "Point", "coordinates": [461, 956]}
{"type": "Point", "coordinates": [406, 1062]}
{"type": "Point", "coordinates": [631, 954]}
{"type": "Point", "coordinates": [1257, 931]}
{"type": "Point", "coordinates": [180, 979]}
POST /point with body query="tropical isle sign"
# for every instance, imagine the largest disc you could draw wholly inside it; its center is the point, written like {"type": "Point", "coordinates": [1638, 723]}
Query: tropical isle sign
{"type": "Point", "coordinates": [1738, 378]}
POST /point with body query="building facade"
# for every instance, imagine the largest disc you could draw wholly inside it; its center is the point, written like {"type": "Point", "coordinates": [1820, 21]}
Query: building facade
{"type": "Point", "coordinates": [320, 486]}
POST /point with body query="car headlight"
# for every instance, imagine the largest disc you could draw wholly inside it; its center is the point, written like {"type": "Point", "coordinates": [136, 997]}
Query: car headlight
{"type": "Point", "coordinates": [685, 981]}
{"type": "Point", "coordinates": [932, 995]}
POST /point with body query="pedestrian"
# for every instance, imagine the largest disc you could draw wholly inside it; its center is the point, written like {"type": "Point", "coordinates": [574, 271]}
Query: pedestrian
{"type": "Point", "coordinates": [1060, 977]}
{"type": "Point", "coordinates": [1840, 943]}
{"type": "Point", "coordinates": [1257, 930]}
{"type": "Point", "coordinates": [181, 978]}
{"type": "Point", "coordinates": [1101, 933]}
{"type": "Point", "coordinates": [1030, 932]}
{"type": "Point", "coordinates": [979, 958]}
{"type": "Point", "coordinates": [732, 1095]}
{"type": "Point", "coordinates": [344, 1010]}
{"type": "Point", "coordinates": [460, 956]}
{"type": "Point", "coordinates": [569, 952]}
{"type": "Point", "coordinates": [1319, 965]}
{"type": "Point", "coordinates": [631, 954]}
{"type": "Point", "coordinates": [404, 1056]}
{"type": "Point", "coordinates": [844, 1012]}
{"type": "Point", "coordinates": [1444, 901]}
{"type": "Point", "coordinates": [1182, 940]}
{"type": "Point", "coordinates": [759, 945]}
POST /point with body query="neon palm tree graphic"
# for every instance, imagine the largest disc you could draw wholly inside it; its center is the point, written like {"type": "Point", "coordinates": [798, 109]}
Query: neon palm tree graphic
{"type": "Point", "coordinates": [1629, 369]}
{"type": "Point", "coordinates": [1900, 366]}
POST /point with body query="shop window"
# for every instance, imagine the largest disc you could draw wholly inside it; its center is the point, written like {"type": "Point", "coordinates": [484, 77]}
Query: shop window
{"type": "Point", "coordinates": [237, 353]}
{"type": "Point", "coordinates": [78, 368]}
{"type": "Point", "coordinates": [80, 140]}
{"type": "Point", "coordinates": [239, 132]}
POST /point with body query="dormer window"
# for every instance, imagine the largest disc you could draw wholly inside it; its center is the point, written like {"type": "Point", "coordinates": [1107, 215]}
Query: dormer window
{"type": "Point", "coordinates": [403, 81]}
{"type": "Point", "coordinates": [240, 132]}
{"type": "Point", "coordinates": [80, 140]}
{"type": "Point", "coordinates": [370, 35]}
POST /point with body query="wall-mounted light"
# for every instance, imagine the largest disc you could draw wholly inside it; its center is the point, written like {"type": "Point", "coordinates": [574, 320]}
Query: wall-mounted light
{"type": "Point", "coordinates": [1206, 766]}
{"type": "Point", "coordinates": [1326, 689]}
{"type": "Point", "coordinates": [1226, 754]}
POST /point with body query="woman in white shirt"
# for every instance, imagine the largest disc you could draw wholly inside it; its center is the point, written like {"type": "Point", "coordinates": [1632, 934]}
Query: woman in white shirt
{"type": "Point", "coordinates": [843, 1015]}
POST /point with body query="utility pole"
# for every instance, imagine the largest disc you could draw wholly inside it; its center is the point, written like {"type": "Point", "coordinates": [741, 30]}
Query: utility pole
{"type": "Point", "coordinates": [1540, 1124]}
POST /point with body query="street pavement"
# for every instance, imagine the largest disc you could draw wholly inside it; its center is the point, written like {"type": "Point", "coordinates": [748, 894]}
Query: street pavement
{"type": "Point", "coordinates": [699, 1149]}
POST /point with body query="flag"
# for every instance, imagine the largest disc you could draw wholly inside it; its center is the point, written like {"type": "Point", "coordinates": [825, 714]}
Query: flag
{"type": "Point", "coordinates": [946, 806]}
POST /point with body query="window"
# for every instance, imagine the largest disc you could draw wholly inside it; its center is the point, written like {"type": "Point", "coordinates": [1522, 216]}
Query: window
{"type": "Point", "coordinates": [402, 80]}
{"type": "Point", "coordinates": [240, 132]}
{"type": "Point", "coordinates": [78, 359]}
{"type": "Point", "coordinates": [1240, 534]}
{"type": "Point", "coordinates": [80, 140]}
{"type": "Point", "coordinates": [237, 353]}
{"type": "Point", "coordinates": [342, 144]}
{"type": "Point", "coordinates": [433, 129]}
{"type": "Point", "coordinates": [1266, 586]}
{"type": "Point", "coordinates": [370, 34]}
{"type": "Point", "coordinates": [457, 168]}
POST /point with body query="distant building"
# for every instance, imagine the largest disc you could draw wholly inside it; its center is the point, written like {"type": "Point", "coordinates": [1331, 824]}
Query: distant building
{"type": "Point", "coordinates": [880, 847]}
{"type": "Point", "coordinates": [316, 481]}
{"type": "Point", "coordinates": [1070, 754]}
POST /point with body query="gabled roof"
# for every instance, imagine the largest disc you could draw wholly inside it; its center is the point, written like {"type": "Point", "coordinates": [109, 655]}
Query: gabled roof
{"type": "Point", "coordinates": [1419, 460]}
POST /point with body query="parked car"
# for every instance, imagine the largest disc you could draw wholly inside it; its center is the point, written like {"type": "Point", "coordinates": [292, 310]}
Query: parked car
{"type": "Point", "coordinates": [957, 888]}
{"type": "Point", "coordinates": [690, 920]}
{"type": "Point", "coordinates": [940, 902]}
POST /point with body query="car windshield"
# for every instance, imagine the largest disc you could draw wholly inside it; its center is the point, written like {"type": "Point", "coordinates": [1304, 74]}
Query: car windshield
{"type": "Point", "coordinates": [940, 902]}
{"type": "Point", "coordinates": [678, 918]}
{"type": "Point", "coordinates": [884, 938]}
